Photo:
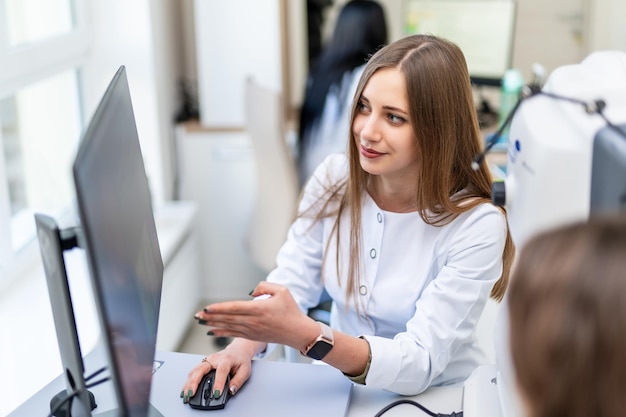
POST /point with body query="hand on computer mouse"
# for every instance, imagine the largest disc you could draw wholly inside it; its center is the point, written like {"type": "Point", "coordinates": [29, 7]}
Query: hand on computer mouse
{"type": "Point", "coordinates": [207, 396]}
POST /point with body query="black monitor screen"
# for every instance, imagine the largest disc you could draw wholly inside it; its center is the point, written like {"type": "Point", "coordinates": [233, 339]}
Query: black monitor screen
{"type": "Point", "coordinates": [121, 243]}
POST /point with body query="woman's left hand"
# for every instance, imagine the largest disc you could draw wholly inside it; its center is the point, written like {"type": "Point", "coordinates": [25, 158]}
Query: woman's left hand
{"type": "Point", "coordinates": [274, 317]}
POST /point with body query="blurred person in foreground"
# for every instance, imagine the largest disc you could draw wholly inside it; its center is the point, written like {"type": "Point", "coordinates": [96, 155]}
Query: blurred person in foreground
{"type": "Point", "coordinates": [567, 315]}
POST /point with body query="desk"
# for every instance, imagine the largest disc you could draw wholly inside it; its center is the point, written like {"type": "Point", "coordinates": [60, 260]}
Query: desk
{"type": "Point", "coordinates": [169, 378]}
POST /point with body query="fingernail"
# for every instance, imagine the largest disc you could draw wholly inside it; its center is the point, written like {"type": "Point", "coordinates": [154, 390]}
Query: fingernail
{"type": "Point", "coordinates": [233, 389]}
{"type": "Point", "coordinates": [182, 394]}
{"type": "Point", "coordinates": [186, 397]}
{"type": "Point", "coordinates": [210, 333]}
{"type": "Point", "coordinates": [251, 292]}
{"type": "Point", "coordinates": [201, 321]}
{"type": "Point", "coordinates": [206, 310]}
{"type": "Point", "coordinates": [216, 393]}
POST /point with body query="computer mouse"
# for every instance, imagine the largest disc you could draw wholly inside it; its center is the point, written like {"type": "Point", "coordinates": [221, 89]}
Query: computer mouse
{"type": "Point", "coordinates": [203, 399]}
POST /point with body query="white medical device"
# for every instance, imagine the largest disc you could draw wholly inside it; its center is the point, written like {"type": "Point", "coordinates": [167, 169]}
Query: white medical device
{"type": "Point", "coordinates": [566, 161]}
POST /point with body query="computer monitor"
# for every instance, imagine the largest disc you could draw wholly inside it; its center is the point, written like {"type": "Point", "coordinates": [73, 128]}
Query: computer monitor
{"type": "Point", "coordinates": [483, 29]}
{"type": "Point", "coordinates": [608, 171]}
{"type": "Point", "coordinates": [121, 243]}
{"type": "Point", "coordinates": [53, 242]}
{"type": "Point", "coordinates": [118, 232]}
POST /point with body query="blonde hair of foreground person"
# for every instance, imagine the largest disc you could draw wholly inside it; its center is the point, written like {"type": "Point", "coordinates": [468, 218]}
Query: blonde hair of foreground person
{"type": "Point", "coordinates": [567, 306]}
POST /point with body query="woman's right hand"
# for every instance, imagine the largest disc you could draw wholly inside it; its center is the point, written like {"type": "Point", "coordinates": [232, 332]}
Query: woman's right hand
{"type": "Point", "coordinates": [235, 359]}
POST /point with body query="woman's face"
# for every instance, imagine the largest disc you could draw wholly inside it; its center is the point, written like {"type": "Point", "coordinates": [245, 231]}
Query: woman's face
{"type": "Point", "coordinates": [381, 127]}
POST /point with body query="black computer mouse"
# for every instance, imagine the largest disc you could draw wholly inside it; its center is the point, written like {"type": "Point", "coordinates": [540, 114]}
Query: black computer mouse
{"type": "Point", "coordinates": [203, 399]}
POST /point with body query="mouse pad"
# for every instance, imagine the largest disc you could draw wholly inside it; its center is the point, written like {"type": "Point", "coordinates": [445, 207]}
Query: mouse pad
{"type": "Point", "coordinates": [274, 389]}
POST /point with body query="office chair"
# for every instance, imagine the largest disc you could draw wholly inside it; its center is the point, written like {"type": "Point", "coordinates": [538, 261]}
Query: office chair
{"type": "Point", "coordinates": [277, 183]}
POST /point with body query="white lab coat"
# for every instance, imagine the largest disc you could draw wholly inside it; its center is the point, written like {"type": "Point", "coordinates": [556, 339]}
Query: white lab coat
{"type": "Point", "coordinates": [423, 288]}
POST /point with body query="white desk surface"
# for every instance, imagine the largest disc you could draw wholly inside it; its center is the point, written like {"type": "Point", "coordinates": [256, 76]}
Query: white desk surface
{"type": "Point", "coordinates": [165, 397]}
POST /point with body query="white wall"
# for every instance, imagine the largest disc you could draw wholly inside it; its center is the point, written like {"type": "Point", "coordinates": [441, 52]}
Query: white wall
{"type": "Point", "coordinates": [169, 66]}
{"type": "Point", "coordinates": [235, 40]}
{"type": "Point", "coordinates": [141, 35]}
{"type": "Point", "coordinates": [607, 29]}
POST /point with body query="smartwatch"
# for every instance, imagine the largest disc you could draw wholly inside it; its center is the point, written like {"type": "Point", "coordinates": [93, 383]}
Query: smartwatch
{"type": "Point", "coordinates": [321, 345]}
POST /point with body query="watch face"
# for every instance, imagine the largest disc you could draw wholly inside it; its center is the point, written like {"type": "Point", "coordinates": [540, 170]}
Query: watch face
{"type": "Point", "coordinates": [319, 350]}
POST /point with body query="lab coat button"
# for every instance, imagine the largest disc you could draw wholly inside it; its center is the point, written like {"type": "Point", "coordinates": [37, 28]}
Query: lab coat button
{"type": "Point", "coordinates": [362, 290]}
{"type": "Point", "coordinates": [372, 253]}
{"type": "Point", "coordinates": [379, 217]}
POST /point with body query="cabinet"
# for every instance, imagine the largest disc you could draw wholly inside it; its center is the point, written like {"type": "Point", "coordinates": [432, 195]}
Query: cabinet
{"type": "Point", "coordinates": [182, 273]}
{"type": "Point", "coordinates": [217, 172]}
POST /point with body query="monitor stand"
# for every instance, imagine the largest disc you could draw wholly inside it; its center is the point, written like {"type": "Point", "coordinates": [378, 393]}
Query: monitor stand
{"type": "Point", "coordinates": [53, 242]}
{"type": "Point", "coordinates": [60, 405]}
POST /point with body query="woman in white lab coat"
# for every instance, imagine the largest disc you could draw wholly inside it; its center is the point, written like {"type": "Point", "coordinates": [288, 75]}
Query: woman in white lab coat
{"type": "Point", "coordinates": [400, 232]}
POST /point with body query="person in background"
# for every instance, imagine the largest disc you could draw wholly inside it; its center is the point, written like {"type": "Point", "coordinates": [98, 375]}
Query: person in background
{"type": "Point", "coordinates": [400, 231]}
{"type": "Point", "coordinates": [567, 315]}
{"type": "Point", "coordinates": [359, 31]}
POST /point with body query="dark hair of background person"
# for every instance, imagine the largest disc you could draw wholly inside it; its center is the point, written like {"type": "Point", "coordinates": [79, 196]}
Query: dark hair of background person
{"type": "Point", "coordinates": [315, 10]}
{"type": "Point", "coordinates": [567, 315]}
{"type": "Point", "coordinates": [360, 30]}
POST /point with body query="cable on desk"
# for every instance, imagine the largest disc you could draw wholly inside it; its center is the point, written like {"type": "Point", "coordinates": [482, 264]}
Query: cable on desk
{"type": "Point", "coordinates": [94, 374]}
{"type": "Point", "coordinates": [418, 405]}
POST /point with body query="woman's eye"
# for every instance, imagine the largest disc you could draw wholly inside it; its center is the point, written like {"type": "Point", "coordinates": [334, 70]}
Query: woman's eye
{"type": "Point", "coordinates": [361, 106]}
{"type": "Point", "coordinates": [396, 120]}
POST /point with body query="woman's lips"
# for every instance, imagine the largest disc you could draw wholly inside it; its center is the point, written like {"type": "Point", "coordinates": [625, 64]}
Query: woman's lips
{"type": "Point", "coordinates": [370, 153]}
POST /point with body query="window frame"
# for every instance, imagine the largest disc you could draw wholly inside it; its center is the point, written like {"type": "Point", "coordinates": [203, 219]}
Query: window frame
{"type": "Point", "coordinates": [25, 64]}
{"type": "Point", "coordinates": [21, 66]}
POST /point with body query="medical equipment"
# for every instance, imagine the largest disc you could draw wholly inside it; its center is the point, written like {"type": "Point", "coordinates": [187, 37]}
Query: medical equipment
{"type": "Point", "coordinates": [566, 161]}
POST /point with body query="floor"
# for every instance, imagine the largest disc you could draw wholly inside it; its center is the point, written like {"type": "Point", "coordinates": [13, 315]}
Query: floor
{"type": "Point", "coordinates": [196, 341]}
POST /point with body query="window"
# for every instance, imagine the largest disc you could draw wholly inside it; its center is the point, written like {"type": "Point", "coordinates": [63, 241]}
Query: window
{"type": "Point", "coordinates": [42, 48]}
{"type": "Point", "coordinates": [40, 128]}
{"type": "Point", "coordinates": [52, 71]}
{"type": "Point", "coordinates": [30, 21]}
